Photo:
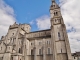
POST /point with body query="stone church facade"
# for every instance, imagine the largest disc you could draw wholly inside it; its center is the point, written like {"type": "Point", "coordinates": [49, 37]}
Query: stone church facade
{"type": "Point", "coordinates": [51, 44]}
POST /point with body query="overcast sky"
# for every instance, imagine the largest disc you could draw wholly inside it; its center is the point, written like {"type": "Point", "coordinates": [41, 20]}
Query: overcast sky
{"type": "Point", "coordinates": [36, 13]}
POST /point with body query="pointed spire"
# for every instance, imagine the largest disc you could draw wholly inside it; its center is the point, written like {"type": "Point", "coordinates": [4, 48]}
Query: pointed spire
{"type": "Point", "coordinates": [53, 0]}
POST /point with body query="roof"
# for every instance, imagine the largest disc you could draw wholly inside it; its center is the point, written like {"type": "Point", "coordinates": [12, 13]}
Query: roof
{"type": "Point", "coordinates": [40, 31]}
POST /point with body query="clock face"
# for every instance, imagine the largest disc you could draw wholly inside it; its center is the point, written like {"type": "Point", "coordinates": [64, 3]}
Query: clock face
{"type": "Point", "coordinates": [56, 21]}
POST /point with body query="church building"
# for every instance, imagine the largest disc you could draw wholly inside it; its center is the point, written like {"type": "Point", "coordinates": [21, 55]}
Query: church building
{"type": "Point", "coordinates": [51, 44]}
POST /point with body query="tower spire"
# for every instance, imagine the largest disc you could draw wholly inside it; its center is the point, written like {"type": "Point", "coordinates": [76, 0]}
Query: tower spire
{"type": "Point", "coordinates": [53, 0]}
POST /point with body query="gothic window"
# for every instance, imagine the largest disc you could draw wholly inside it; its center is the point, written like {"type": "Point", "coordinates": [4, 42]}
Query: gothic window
{"type": "Point", "coordinates": [48, 50]}
{"type": "Point", "coordinates": [11, 58]}
{"type": "Point", "coordinates": [32, 52]}
{"type": "Point", "coordinates": [48, 42]}
{"type": "Point", "coordinates": [19, 50]}
{"type": "Point", "coordinates": [31, 43]}
{"type": "Point", "coordinates": [39, 51]}
{"type": "Point", "coordinates": [74, 57]}
{"type": "Point", "coordinates": [56, 13]}
{"type": "Point", "coordinates": [58, 34]}
{"type": "Point", "coordinates": [61, 50]}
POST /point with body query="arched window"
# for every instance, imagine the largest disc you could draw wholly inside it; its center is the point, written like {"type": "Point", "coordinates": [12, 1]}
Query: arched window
{"type": "Point", "coordinates": [25, 46]}
{"type": "Point", "coordinates": [32, 52]}
{"type": "Point", "coordinates": [19, 50]}
{"type": "Point", "coordinates": [74, 57]}
{"type": "Point", "coordinates": [61, 50]}
{"type": "Point", "coordinates": [58, 34]}
{"type": "Point", "coordinates": [11, 58]}
{"type": "Point", "coordinates": [56, 13]}
{"type": "Point", "coordinates": [39, 51]}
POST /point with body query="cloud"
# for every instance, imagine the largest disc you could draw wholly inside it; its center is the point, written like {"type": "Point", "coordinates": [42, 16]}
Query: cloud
{"type": "Point", "coordinates": [43, 22]}
{"type": "Point", "coordinates": [7, 17]}
{"type": "Point", "coordinates": [32, 22]}
{"type": "Point", "coordinates": [71, 14]}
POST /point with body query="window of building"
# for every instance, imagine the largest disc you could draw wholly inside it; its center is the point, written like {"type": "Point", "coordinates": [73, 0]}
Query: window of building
{"type": "Point", "coordinates": [74, 57]}
{"type": "Point", "coordinates": [31, 43]}
{"type": "Point", "coordinates": [48, 42]}
{"type": "Point", "coordinates": [58, 34]}
{"type": "Point", "coordinates": [61, 50]}
{"type": "Point", "coordinates": [13, 33]}
{"type": "Point", "coordinates": [11, 58]}
{"type": "Point", "coordinates": [39, 51]}
{"type": "Point", "coordinates": [48, 50]}
{"type": "Point", "coordinates": [56, 13]}
{"type": "Point", "coordinates": [19, 50]}
{"type": "Point", "coordinates": [39, 43]}
{"type": "Point", "coordinates": [32, 52]}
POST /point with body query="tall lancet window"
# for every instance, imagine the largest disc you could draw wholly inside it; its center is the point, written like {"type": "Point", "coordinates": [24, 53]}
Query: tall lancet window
{"type": "Point", "coordinates": [39, 51]}
{"type": "Point", "coordinates": [59, 35]}
{"type": "Point", "coordinates": [56, 13]}
{"type": "Point", "coordinates": [48, 50]}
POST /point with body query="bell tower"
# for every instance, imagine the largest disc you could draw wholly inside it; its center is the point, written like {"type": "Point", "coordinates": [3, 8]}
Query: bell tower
{"type": "Point", "coordinates": [59, 37]}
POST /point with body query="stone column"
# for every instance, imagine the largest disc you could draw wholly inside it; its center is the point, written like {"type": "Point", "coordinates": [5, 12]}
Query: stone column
{"type": "Point", "coordinates": [53, 43]}
{"type": "Point", "coordinates": [35, 50]}
{"type": "Point", "coordinates": [35, 56]}
{"type": "Point", "coordinates": [44, 50]}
